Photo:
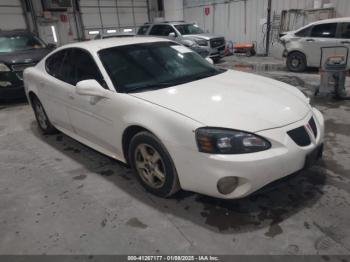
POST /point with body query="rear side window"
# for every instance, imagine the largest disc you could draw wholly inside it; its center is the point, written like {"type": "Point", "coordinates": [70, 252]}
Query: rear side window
{"type": "Point", "coordinates": [324, 30]}
{"type": "Point", "coordinates": [344, 31]}
{"type": "Point", "coordinates": [304, 32]}
{"type": "Point", "coordinates": [54, 62]}
{"type": "Point", "coordinates": [73, 65]}
{"type": "Point", "coordinates": [143, 30]}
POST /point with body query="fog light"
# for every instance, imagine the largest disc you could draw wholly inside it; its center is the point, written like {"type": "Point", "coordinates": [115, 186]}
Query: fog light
{"type": "Point", "coordinates": [5, 84]}
{"type": "Point", "coordinates": [226, 185]}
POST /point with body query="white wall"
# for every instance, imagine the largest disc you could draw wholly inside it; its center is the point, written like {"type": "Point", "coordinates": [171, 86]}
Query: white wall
{"type": "Point", "coordinates": [173, 10]}
{"type": "Point", "coordinates": [11, 15]}
{"type": "Point", "coordinates": [242, 20]}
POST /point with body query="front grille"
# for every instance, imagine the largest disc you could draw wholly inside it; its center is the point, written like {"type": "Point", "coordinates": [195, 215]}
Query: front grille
{"type": "Point", "coordinates": [300, 136]}
{"type": "Point", "coordinates": [21, 67]}
{"type": "Point", "coordinates": [217, 42]}
{"type": "Point", "coordinates": [313, 126]}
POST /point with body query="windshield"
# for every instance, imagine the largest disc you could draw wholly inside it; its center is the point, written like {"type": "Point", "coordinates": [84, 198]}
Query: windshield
{"type": "Point", "coordinates": [140, 67]}
{"type": "Point", "coordinates": [189, 29]}
{"type": "Point", "coordinates": [15, 43]}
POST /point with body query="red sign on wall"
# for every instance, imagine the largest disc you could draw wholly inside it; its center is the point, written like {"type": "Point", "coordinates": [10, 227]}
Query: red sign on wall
{"type": "Point", "coordinates": [207, 10]}
{"type": "Point", "coordinates": [64, 18]}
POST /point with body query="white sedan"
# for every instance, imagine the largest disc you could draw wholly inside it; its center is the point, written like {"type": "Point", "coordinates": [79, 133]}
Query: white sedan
{"type": "Point", "coordinates": [179, 121]}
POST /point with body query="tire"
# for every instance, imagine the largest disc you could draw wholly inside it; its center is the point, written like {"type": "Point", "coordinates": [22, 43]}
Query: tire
{"type": "Point", "coordinates": [296, 62]}
{"type": "Point", "coordinates": [157, 175]}
{"type": "Point", "coordinates": [42, 119]}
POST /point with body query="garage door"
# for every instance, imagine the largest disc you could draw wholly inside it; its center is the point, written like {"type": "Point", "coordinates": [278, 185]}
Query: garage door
{"type": "Point", "coordinates": [109, 15]}
{"type": "Point", "coordinates": [11, 15]}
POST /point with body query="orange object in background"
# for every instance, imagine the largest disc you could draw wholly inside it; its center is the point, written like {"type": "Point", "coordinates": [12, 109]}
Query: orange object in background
{"type": "Point", "coordinates": [238, 46]}
{"type": "Point", "coordinates": [244, 48]}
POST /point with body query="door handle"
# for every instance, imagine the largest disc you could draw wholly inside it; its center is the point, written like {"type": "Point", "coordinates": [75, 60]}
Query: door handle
{"type": "Point", "coordinates": [310, 40]}
{"type": "Point", "coordinates": [345, 42]}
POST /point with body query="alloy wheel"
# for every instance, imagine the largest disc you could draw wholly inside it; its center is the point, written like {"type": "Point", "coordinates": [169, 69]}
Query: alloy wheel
{"type": "Point", "coordinates": [41, 116]}
{"type": "Point", "coordinates": [150, 166]}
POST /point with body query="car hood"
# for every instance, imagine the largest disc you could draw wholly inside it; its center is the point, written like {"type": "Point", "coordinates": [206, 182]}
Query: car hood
{"type": "Point", "coordinates": [205, 36]}
{"type": "Point", "coordinates": [22, 57]}
{"type": "Point", "coordinates": [234, 100]}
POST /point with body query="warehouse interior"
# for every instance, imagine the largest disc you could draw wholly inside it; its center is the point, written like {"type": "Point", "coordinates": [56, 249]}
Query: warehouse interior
{"type": "Point", "coordinates": [60, 197]}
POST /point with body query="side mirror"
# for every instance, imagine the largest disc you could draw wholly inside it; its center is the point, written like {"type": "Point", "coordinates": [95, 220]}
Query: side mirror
{"type": "Point", "coordinates": [209, 60]}
{"type": "Point", "coordinates": [91, 88]}
{"type": "Point", "coordinates": [172, 35]}
{"type": "Point", "coordinates": [51, 46]}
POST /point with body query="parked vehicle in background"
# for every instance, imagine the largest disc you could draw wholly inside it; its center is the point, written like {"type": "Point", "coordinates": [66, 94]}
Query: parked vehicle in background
{"type": "Point", "coordinates": [303, 47]}
{"type": "Point", "coordinates": [18, 50]}
{"type": "Point", "coordinates": [104, 36]}
{"type": "Point", "coordinates": [190, 35]}
{"type": "Point", "coordinates": [179, 121]}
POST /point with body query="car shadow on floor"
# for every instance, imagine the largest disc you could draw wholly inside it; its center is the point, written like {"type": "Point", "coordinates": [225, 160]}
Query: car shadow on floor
{"type": "Point", "coordinates": [265, 209]}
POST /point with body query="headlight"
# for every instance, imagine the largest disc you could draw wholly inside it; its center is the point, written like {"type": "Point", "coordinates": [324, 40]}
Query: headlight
{"type": "Point", "coordinates": [202, 42]}
{"type": "Point", "coordinates": [226, 141]}
{"type": "Point", "coordinates": [4, 68]}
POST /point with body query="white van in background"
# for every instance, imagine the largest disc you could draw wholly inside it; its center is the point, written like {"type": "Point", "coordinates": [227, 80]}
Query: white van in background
{"type": "Point", "coordinates": [303, 47]}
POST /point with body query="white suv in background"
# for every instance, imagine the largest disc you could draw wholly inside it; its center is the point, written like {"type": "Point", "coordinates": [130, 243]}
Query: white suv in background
{"type": "Point", "coordinates": [303, 47]}
{"type": "Point", "coordinates": [190, 35]}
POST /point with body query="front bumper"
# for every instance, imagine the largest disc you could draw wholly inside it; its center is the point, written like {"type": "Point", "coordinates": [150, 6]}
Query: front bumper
{"type": "Point", "coordinates": [285, 53]}
{"type": "Point", "coordinates": [11, 86]}
{"type": "Point", "coordinates": [217, 53]}
{"type": "Point", "coordinates": [200, 172]}
{"type": "Point", "coordinates": [12, 93]}
{"type": "Point", "coordinates": [207, 51]}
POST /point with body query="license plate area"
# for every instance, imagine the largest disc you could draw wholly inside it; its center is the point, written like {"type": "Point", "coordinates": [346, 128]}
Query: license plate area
{"type": "Point", "coordinates": [313, 156]}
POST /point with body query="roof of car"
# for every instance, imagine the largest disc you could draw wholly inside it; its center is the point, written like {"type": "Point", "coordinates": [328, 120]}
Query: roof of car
{"type": "Point", "coordinates": [332, 20]}
{"type": "Point", "coordinates": [96, 45]}
{"type": "Point", "coordinates": [15, 32]}
{"type": "Point", "coordinates": [169, 23]}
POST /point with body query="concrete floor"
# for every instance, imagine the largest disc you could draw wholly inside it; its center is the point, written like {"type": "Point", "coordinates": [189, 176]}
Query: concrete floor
{"type": "Point", "coordinates": [59, 197]}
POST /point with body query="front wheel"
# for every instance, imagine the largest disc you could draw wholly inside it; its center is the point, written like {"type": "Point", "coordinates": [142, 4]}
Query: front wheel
{"type": "Point", "coordinates": [41, 117]}
{"type": "Point", "coordinates": [153, 165]}
{"type": "Point", "coordinates": [296, 62]}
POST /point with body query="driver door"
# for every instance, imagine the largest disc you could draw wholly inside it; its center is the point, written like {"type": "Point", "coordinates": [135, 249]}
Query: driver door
{"type": "Point", "coordinates": [91, 117]}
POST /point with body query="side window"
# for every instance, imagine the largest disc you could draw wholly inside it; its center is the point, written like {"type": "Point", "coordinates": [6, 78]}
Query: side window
{"type": "Point", "coordinates": [304, 32]}
{"type": "Point", "coordinates": [156, 30]}
{"type": "Point", "coordinates": [143, 30]}
{"type": "Point", "coordinates": [324, 30]}
{"type": "Point", "coordinates": [162, 30]}
{"type": "Point", "coordinates": [85, 67]}
{"type": "Point", "coordinates": [344, 31]}
{"type": "Point", "coordinates": [67, 68]}
{"type": "Point", "coordinates": [167, 29]}
{"type": "Point", "coordinates": [54, 62]}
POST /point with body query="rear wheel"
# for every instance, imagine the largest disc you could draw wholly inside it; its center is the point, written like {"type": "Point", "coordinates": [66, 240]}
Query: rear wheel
{"type": "Point", "coordinates": [153, 165]}
{"type": "Point", "coordinates": [296, 62]}
{"type": "Point", "coordinates": [41, 117]}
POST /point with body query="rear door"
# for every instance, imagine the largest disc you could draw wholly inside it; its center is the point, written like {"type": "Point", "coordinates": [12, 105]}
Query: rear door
{"type": "Point", "coordinates": [322, 35]}
{"type": "Point", "coordinates": [55, 88]}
